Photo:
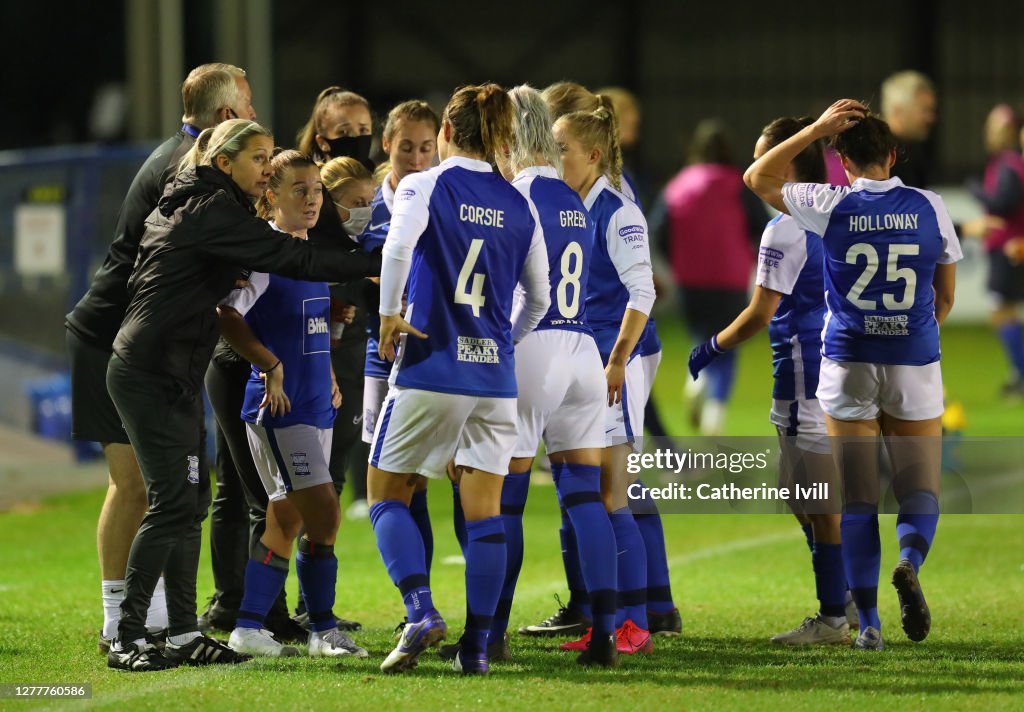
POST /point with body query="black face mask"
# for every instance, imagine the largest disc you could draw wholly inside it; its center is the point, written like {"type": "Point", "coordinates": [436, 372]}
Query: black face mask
{"type": "Point", "coordinates": [357, 147]}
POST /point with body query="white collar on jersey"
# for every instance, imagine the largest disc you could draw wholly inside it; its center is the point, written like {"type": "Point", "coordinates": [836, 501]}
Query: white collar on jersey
{"type": "Point", "coordinates": [471, 164]}
{"type": "Point", "coordinates": [876, 186]}
{"type": "Point", "coordinates": [537, 171]}
{"type": "Point", "coordinates": [599, 185]}
{"type": "Point", "coordinates": [388, 193]}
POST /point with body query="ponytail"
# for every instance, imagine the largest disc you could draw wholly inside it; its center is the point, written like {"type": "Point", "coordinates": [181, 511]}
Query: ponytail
{"type": "Point", "coordinates": [227, 138]}
{"type": "Point", "coordinates": [481, 118]}
{"type": "Point", "coordinates": [613, 165]}
{"type": "Point", "coordinates": [599, 130]}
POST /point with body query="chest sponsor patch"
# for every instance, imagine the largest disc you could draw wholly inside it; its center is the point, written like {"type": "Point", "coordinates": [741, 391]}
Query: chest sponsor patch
{"type": "Point", "coordinates": [316, 327]}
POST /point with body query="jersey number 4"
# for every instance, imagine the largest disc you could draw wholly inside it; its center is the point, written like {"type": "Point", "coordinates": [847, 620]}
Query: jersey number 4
{"type": "Point", "coordinates": [474, 296]}
{"type": "Point", "coordinates": [893, 273]}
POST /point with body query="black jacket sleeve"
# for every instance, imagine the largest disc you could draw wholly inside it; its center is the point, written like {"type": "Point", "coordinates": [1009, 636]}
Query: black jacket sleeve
{"type": "Point", "coordinates": [227, 231]}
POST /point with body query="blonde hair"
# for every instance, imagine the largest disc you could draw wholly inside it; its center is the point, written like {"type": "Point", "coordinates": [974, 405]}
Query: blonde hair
{"type": "Point", "coordinates": [331, 96]}
{"type": "Point", "coordinates": [599, 130]}
{"type": "Point", "coordinates": [532, 128]}
{"type": "Point", "coordinates": [899, 89]}
{"type": "Point", "coordinates": [481, 117]}
{"type": "Point", "coordinates": [206, 89]}
{"type": "Point", "coordinates": [282, 162]}
{"type": "Point", "coordinates": [228, 138]}
{"type": "Point", "coordinates": [566, 97]}
{"type": "Point", "coordinates": [339, 173]}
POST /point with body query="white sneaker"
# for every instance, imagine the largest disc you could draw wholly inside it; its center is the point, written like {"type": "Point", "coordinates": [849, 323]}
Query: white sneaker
{"type": "Point", "coordinates": [815, 631]}
{"type": "Point", "coordinates": [259, 642]}
{"type": "Point", "coordinates": [334, 643]}
{"type": "Point", "coordinates": [359, 509]}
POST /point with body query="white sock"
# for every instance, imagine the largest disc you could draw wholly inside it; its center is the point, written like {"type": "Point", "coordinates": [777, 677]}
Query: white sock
{"type": "Point", "coordinates": [156, 616]}
{"type": "Point", "coordinates": [712, 418]}
{"type": "Point", "coordinates": [113, 594]}
{"type": "Point", "coordinates": [184, 638]}
{"type": "Point", "coordinates": [833, 621]}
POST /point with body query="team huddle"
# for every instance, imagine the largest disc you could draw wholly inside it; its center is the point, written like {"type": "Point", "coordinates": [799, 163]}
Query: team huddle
{"type": "Point", "coordinates": [511, 263]}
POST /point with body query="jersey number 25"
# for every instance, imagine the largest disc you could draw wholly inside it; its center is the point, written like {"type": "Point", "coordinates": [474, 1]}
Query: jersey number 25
{"type": "Point", "coordinates": [893, 273]}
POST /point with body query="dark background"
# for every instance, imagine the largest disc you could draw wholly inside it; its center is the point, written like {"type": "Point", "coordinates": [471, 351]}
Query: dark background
{"type": "Point", "coordinates": [742, 62]}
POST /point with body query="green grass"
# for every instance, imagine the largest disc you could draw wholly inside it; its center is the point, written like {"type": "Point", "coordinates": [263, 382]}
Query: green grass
{"type": "Point", "coordinates": [737, 579]}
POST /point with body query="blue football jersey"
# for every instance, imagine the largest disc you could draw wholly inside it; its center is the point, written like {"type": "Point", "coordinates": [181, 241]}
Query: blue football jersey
{"type": "Point", "coordinates": [371, 238]}
{"type": "Point", "coordinates": [621, 276]}
{"type": "Point", "coordinates": [569, 237]}
{"type": "Point", "coordinates": [790, 262]}
{"type": "Point", "coordinates": [882, 241]}
{"type": "Point", "coordinates": [469, 232]}
{"type": "Point", "coordinates": [650, 342]}
{"type": "Point", "coordinates": [292, 319]}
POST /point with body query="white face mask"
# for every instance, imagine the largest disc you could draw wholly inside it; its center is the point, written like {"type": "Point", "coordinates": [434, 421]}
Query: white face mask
{"type": "Point", "coordinates": [358, 219]}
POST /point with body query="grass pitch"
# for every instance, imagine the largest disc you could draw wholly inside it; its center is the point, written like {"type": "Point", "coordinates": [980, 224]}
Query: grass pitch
{"type": "Point", "coordinates": [737, 579]}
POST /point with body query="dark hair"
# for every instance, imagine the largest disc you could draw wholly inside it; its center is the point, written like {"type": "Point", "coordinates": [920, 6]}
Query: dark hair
{"type": "Point", "coordinates": [410, 111]}
{"type": "Point", "coordinates": [711, 144]}
{"type": "Point", "coordinates": [481, 118]}
{"type": "Point", "coordinates": [869, 143]}
{"type": "Point", "coordinates": [282, 161]}
{"type": "Point", "coordinates": [331, 96]}
{"type": "Point", "coordinates": [809, 164]}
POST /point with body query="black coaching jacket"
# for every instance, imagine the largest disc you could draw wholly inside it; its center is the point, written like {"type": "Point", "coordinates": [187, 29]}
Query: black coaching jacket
{"type": "Point", "coordinates": [99, 313]}
{"type": "Point", "coordinates": [197, 242]}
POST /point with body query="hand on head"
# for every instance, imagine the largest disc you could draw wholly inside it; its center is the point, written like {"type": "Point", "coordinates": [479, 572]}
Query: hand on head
{"type": "Point", "coordinates": [841, 116]}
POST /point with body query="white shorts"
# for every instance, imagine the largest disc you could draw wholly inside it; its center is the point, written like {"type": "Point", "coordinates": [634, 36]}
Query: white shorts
{"type": "Point", "coordinates": [375, 390]}
{"type": "Point", "coordinates": [859, 391]}
{"type": "Point", "coordinates": [624, 421]}
{"type": "Point", "coordinates": [562, 392]}
{"type": "Point", "coordinates": [804, 419]}
{"type": "Point", "coordinates": [291, 458]}
{"type": "Point", "coordinates": [422, 431]}
{"type": "Point", "coordinates": [650, 372]}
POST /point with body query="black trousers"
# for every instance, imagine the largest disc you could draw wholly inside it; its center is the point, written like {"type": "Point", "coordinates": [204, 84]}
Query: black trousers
{"type": "Point", "coordinates": [239, 513]}
{"type": "Point", "coordinates": [239, 489]}
{"type": "Point", "coordinates": [164, 421]}
{"type": "Point", "coordinates": [348, 452]}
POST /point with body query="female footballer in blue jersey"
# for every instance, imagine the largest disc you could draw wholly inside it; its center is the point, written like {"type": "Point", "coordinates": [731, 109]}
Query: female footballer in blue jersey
{"type": "Point", "coordinates": [561, 385]}
{"type": "Point", "coordinates": [789, 298]}
{"type": "Point", "coordinates": [462, 238]}
{"type": "Point", "coordinates": [889, 281]}
{"type": "Point", "coordinates": [410, 141]}
{"type": "Point", "coordinates": [278, 323]}
{"type": "Point", "coordinates": [620, 293]}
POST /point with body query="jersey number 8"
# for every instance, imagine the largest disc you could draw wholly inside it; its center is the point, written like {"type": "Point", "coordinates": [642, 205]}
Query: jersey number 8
{"type": "Point", "coordinates": [571, 274]}
{"type": "Point", "coordinates": [893, 273]}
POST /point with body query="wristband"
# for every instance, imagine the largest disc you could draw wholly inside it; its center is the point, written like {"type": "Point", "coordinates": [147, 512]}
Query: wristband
{"type": "Point", "coordinates": [273, 367]}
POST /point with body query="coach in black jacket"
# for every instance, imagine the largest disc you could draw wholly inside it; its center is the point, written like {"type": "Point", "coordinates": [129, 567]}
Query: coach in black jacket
{"type": "Point", "coordinates": [202, 235]}
{"type": "Point", "coordinates": [211, 93]}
